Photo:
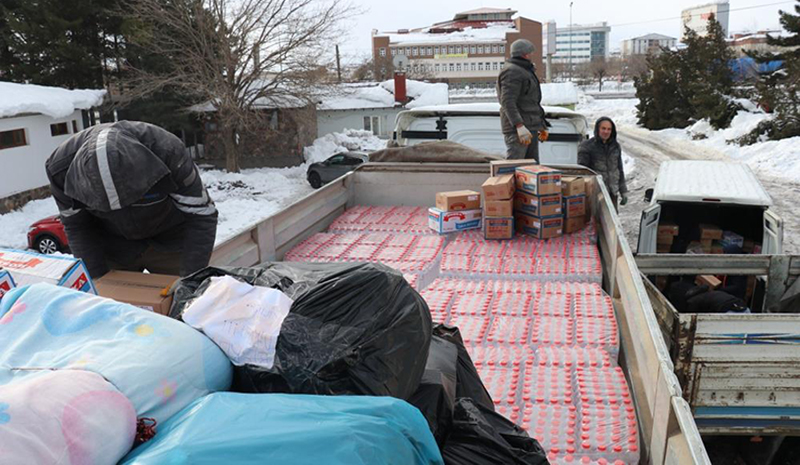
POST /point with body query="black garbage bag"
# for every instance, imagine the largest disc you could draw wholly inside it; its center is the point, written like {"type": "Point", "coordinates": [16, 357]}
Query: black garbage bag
{"type": "Point", "coordinates": [469, 382]}
{"type": "Point", "coordinates": [436, 393]}
{"type": "Point", "coordinates": [480, 436]}
{"type": "Point", "coordinates": [353, 329]}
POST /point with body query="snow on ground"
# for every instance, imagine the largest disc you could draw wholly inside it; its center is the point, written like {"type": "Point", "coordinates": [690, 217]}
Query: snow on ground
{"type": "Point", "coordinates": [243, 199]}
{"type": "Point", "coordinates": [51, 101]}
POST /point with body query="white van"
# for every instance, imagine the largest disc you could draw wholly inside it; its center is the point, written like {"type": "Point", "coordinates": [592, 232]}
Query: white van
{"type": "Point", "coordinates": [728, 195]}
{"type": "Point", "coordinates": [477, 125]}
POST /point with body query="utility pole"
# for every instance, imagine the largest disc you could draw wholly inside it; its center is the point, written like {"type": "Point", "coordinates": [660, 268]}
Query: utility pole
{"type": "Point", "coordinates": [570, 41]}
{"type": "Point", "coordinates": [338, 65]}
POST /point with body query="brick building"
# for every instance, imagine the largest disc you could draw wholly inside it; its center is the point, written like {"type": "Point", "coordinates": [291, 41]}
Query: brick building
{"type": "Point", "coordinates": [470, 49]}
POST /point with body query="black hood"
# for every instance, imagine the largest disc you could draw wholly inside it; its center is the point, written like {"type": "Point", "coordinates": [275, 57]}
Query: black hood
{"type": "Point", "coordinates": [128, 170]}
{"type": "Point", "coordinates": [613, 138]}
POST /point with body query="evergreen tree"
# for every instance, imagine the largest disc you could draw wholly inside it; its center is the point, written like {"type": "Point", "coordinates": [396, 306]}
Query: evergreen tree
{"type": "Point", "coordinates": [690, 84]}
{"type": "Point", "coordinates": [780, 91]}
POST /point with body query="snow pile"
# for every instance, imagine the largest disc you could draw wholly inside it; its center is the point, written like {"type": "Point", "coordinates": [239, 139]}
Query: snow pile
{"type": "Point", "coordinates": [350, 139]}
{"type": "Point", "coordinates": [553, 94]}
{"type": "Point", "coordinates": [54, 102]}
{"type": "Point", "coordinates": [493, 33]}
{"type": "Point", "coordinates": [621, 111]}
{"type": "Point", "coordinates": [381, 95]}
{"type": "Point", "coordinates": [422, 93]}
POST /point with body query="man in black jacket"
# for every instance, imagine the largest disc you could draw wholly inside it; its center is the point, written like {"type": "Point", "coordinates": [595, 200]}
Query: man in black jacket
{"type": "Point", "coordinates": [521, 112]}
{"type": "Point", "coordinates": [131, 198]}
{"type": "Point", "coordinates": [603, 154]}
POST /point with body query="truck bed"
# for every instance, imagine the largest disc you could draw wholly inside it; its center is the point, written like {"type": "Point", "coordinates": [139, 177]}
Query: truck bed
{"type": "Point", "coordinates": [667, 431]}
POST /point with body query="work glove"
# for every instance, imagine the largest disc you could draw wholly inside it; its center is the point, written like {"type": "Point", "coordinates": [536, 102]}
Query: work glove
{"type": "Point", "coordinates": [623, 199]}
{"type": "Point", "coordinates": [525, 137]}
{"type": "Point", "coordinates": [543, 135]}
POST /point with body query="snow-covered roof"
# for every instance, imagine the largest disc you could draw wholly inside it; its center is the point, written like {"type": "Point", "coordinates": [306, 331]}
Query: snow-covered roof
{"type": "Point", "coordinates": [489, 108]}
{"type": "Point", "coordinates": [709, 181]}
{"type": "Point", "coordinates": [484, 10]}
{"type": "Point", "coordinates": [654, 36]}
{"type": "Point", "coordinates": [492, 33]}
{"type": "Point", "coordinates": [381, 95]}
{"type": "Point", "coordinates": [54, 102]}
{"type": "Point", "coordinates": [559, 93]}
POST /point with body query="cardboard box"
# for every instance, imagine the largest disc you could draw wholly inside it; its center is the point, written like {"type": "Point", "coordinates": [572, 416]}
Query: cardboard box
{"type": "Point", "coordinates": [498, 167]}
{"type": "Point", "coordinates": [537, 205]}
{"type": "Point", "coordinates": [445, 222]}
{"type": "Point", "coordinates": [574, 224]}
{"type": "Point", "coordinates": [498, 187]}
{"type": "Point", "coordinates": [572, 185]}
{"type": "Point", "coordinates": [498, 208]}
{"type": "Point", "coordinates": [668, 228]}
{"type": "Point", "coordinates": [575, 206]}
{"type": "Point", "coordinates": [6, 282]}
{"type": "Point", "coordinates": [706, 244]}
{"type": "Point", "coordinates": [147, 291]}
{"type": "Point", "coordinates": [458, 201]}
{"type": "Point", "coordinates": [731, 239]}
{"type": "Point", "coordinates": [708, 231]}
{"type": "Point", "coordinates": [28, 267]}
{"type": "Point", "coordinates": [665, 239]}
{"type": "Point", "coordinates": [538, 180]}
{"type": "Point", "coordinates": [708, 280]}
{"type": "Point", "coordinates": [663, 248]}
{"type": "Point", "coordinates": [498, 228]}
{"type": "Point", "coordinates": [543, 228]}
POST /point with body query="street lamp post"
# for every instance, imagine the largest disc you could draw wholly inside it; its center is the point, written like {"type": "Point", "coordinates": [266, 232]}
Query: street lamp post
{"type": "Point", "coordinates": [570, 41]}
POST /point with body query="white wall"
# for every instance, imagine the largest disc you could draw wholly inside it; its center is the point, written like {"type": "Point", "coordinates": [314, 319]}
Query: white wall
{"type": "Point", "coordinates": [22, 168]}
{"type": "Point", "coordinates": [330, 121]}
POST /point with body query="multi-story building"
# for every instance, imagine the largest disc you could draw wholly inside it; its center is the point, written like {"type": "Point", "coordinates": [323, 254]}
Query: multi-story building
{"type": "Point", "coordinates": [469, 49]}
{"type": "Point", "coordinates": [581, 43]}
{"type": "Point", "coordinates": [744, 42]}
{"type": "Point", "coordinates": [696, 18]}
{"type": "Point", "coordinates": [647, 44]}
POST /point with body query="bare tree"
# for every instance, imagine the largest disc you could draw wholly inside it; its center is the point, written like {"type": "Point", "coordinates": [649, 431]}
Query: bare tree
{"type": "Point", "coordinates": [238, 55]}
{"type": "Point", "coordinates": [599, 69]}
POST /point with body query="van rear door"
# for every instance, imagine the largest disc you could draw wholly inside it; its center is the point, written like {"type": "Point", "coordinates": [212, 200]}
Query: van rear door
{"type": "Point", "coordinates": [648, 229]}
{"type": "Point", "coordinates": [772, 243]}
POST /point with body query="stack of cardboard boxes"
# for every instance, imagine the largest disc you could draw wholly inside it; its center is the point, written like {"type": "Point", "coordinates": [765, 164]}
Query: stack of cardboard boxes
{"type": "Point", "coordinates": [537, 201]}
{"type": "Point", "coordinates": [498, 207]}
{"type": "Point", "coordinates": [666, 236]}
{"type": "Point", "coordinates": [455, 211]}
{"type": "Point", "coordinates": [573, 191]}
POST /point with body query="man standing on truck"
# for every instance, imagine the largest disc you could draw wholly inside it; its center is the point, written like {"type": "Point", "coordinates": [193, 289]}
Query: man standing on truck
{"type": "Point", "coordinates": [131, 199]}
{"type": "Point", "coordinates": [603, 154]}
{"type": "Point", "coordinates": [521, 112]}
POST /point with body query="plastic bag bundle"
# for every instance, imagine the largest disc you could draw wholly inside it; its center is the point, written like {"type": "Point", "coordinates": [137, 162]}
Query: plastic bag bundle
{"type": "Point", "coordinates": [352, 329]}
{"type": "Point", "coordinates": [436, 394]}
{"type": "Point", "coordinates": [158, 363]}
{"type": "Point", "coordinates": [64, 416]}
{"type": "Point", "coordinates": [281, 429]}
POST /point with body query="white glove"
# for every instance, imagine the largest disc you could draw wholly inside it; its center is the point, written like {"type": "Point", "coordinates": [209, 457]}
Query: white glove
{"type": "Point", "coordinates": [525, 137]}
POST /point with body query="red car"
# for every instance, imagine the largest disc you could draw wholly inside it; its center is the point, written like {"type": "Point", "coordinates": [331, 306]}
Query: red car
{"type": "Point", "coordinates": [47, 236]}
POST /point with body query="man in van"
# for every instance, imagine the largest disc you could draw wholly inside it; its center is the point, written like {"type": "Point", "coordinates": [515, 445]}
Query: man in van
{"type": "Point", "coordinates": [521, 112]}
{"type": "Point", "coordinates": [131, 198]}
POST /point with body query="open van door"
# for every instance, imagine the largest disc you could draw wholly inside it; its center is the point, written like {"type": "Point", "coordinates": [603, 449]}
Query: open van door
{"type": "Point", "coordinates": [648, 229]}
{"type": "Point", "coordinates": [772, 243]}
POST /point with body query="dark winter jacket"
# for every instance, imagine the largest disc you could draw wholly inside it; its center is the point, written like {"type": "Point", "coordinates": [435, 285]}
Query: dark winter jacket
{"type": "Point", "coordinates": [126, 186]}
{"type": "Point", "coordinates": [605, 158]}
{"type": "Point", "coordinates": [520, 97]}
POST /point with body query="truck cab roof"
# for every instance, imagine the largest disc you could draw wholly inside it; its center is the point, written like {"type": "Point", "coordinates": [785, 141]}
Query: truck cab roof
{"type": "Point", "coordinates": [709, 182]}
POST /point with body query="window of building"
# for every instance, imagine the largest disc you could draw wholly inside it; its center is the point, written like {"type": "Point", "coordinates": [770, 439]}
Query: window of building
{"type": "Point", "coordinates": [373, 123]}
{"type": "Point", "coordinates": [472, 66]}
{"type": "Point", "coordinates": [414, 51]}
{"type": "Point", "coordinates": [408, 51]}
{"type": "Point", "coordinates": [12, 138]}
{"type": "Point", "coordinates": [495, 66]}
{"type": "Point", "coordinates": [480, 49]}
{"type": "Point", "coordinates": [458, 67]}
{"type": "Point", "coordinates": [451, 49]}
{"type": "Point", "coordinates": [503, 48]}
{"type": "Point", "coordinates": [394, 52]}
{"type": "Point", "coordinates": [452, 67]}
{"type": "Point", "coordinates": [480, 66]}
{"type": "Point", "coordinates": [429, 51]}
{"type": "Point", "coordinates": [494, 48]}
{"type": "Point", "coordinates": [382, 52]}
{"type": "Point", "coordinates": [436, 50]}
{"type": "Point", "coordinates": [59, 129]}
{"type": "Point", "coordinates": [74, 126]}
{"type": "Point", "coordinates": [436, 67]}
